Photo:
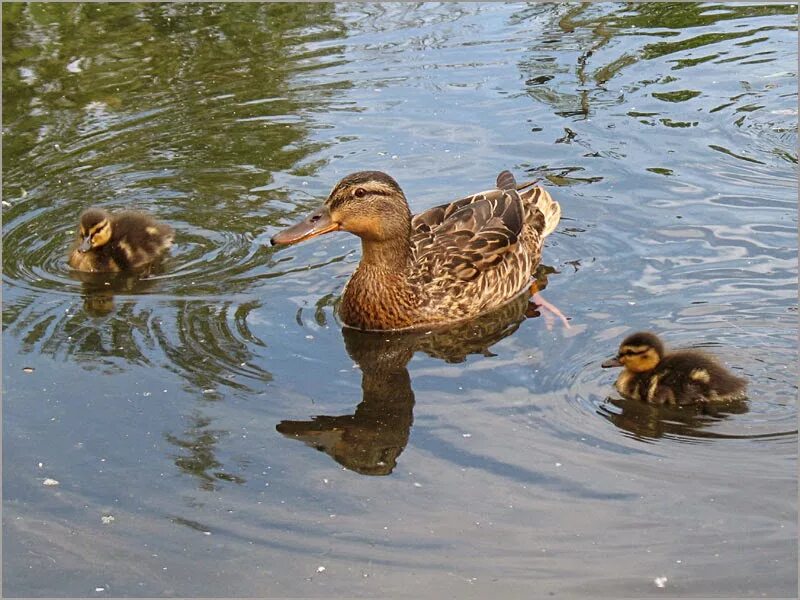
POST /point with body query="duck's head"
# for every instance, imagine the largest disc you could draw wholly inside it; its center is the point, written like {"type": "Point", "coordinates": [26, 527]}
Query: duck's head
{"type": "Point", "coordinates": [639, 352]}
{"type": "Point", "coordinates": [368, 204]}
{"type": "Point", "coordinates": [94, 229]}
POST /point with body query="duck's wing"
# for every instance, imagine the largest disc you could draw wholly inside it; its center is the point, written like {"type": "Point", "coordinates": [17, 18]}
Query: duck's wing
{"type": "Point", "coordinates": [464, 239]}
{"type": "Point", "coordinates": [435, 216]}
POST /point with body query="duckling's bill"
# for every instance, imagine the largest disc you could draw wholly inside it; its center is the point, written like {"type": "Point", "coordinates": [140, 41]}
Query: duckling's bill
{"type": "Point", "coordinates": [317, 223]}
{"type": "Point", "coordinates": [86, 244]}
{"type": "Point", "coordinates": [611, 362]}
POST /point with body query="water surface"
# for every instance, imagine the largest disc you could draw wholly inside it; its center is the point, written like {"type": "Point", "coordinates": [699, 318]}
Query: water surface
{"type": "Point", "coordinates": [246, 445]}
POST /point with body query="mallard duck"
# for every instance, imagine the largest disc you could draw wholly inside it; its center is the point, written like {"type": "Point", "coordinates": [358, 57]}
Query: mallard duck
{"type": "Point", "coordinates": [123, 241]}
{"type": "Point", "coordinates": [449, 263]}
{"type": "Point", "coordinates": [679, 377]}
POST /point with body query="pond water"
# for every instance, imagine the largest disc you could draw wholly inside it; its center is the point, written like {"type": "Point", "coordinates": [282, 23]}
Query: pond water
{"type": "Point", "coordinates": [215, 432]}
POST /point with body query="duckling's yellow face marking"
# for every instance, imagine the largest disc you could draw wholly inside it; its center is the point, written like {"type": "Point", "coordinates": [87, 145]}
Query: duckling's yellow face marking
{"type": "Point", "coordinates": [638, 358]}
{"type": "Point", "coordinates": [700, 375]}
{"type": "Point", "coordinates": [95, 236]}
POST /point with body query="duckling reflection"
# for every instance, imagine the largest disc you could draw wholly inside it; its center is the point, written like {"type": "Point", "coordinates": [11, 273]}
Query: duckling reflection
{"type": "Point", "coordinates": [98, 289]}
{"type": "Point", "coordinates": [649, 421]}
{"type": "Point", "coordinates": [371, 440]}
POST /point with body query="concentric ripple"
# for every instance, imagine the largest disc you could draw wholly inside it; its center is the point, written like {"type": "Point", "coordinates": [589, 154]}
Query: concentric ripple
{"type": "Point", "coordinates": [769, 413]}
{"type": "Point", "coordinates": [110, 140]}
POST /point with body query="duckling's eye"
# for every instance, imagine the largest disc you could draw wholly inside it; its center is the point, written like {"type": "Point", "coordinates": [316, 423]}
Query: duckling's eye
{"type": "Point", "coordinates": [359, 192]}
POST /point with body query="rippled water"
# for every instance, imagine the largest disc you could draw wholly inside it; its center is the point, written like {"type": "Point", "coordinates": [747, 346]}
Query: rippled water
{"type": "Point", "coordinates": [246, 445]}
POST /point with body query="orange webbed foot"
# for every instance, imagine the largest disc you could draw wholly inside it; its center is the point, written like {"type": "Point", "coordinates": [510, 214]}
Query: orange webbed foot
{"type": "Point", "coordinates": [548, 310]}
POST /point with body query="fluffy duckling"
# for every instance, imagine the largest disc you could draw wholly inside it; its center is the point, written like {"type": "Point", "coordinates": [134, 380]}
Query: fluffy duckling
{"type": "Point", "coordinates": [679, 377]}
{"type": "Point", "coordinates": [120, 242]}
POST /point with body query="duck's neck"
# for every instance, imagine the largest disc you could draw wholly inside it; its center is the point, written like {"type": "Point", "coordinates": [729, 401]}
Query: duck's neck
{"type": "Point", "coordinates": [380, 294]}
{"type": "Point", "coordinates": [388, 256]}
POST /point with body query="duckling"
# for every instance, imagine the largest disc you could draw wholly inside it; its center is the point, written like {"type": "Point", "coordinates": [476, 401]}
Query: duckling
{"type": "Point", "coordinates": [120, 242]}
{"type": "Point", "coordinates": [679, 377]}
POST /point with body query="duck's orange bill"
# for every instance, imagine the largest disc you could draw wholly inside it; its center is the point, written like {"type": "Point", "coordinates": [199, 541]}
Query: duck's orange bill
{"type": "Point", "coordinates": [611, 362]}
{"type": "Point", "coordinates": [315, 224]}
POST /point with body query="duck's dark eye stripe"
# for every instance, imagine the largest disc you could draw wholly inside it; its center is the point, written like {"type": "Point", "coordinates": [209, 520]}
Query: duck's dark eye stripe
{"type": "Point", "coordinates": [632, 353]}
{"type": "Point", "coordinates": [340, 198]}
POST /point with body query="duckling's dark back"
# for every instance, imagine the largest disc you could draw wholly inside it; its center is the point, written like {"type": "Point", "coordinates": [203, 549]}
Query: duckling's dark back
{"type": "Point", "coordinates": [694, 376]}
{"type": "Point", "coordinates": [138, 239]}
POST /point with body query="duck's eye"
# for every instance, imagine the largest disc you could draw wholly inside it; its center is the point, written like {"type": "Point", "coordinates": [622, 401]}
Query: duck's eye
{"type": "Point", "coordinates": [359, 192]}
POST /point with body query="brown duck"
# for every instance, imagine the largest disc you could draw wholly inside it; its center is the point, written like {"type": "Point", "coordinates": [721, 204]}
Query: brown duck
{"type": "Point", "coordinates": [449, 263]}
{"type": "Point", "coordinates": [124, 241]}
{"type": "Point", "coordinates": [680, 377]}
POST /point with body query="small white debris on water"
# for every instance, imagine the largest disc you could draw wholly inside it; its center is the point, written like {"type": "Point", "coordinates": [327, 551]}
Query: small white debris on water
{"type": "Point", "coordinates": [320, 569]}
{"type": "Point", "coordinates": [324, 480]}
{"type": "Point", "coordinates": [49, 481]}
{"type": "Point", "coordinates": [309, 337]}
{"type": "Point", "coordinates": [416, 484]}
{"type": "Point", "coordinates": [466, 435]}
{"type": "Point", "coordinates": [107, 519]}
{"type": "Point", "coordinates": [27, 369]}
{"type": "Point", "coordinates": [209, 391]}
{"type": "Point", "coordinates": [6, 203]}
{"type": "Point", "coordinates": [41, 464]}
{"type": "Point", "coordinates": [660, 582]}
{"type": "Point", "coordinates": [75, 66]}
{"type": "Point", "coordinates": [99, 589]}
{"type": "Point", "coordinates": [558, 464]}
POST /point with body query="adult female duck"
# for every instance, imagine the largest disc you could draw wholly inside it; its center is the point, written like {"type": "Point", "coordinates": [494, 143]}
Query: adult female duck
{"type": "Point", "coordinates": [451, 262]}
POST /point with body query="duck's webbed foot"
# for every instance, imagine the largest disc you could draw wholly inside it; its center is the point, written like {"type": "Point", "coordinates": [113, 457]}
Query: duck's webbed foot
{"type": "Point", "coordinates": [537, 305]}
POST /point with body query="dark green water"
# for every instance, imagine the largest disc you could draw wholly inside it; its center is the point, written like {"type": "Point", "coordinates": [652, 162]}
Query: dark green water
{"type": "Point", "coordinates": [493, 459]}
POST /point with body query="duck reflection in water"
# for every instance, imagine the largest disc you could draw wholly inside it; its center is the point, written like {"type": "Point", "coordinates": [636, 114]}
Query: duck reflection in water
{"type": "Point", "coordinates": [370, 440]}
{"type": "Point", "coordinates": [648, 421]}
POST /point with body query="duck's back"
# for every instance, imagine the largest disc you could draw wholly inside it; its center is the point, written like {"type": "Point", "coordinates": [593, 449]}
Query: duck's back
{"type": "Point", "coordinates": [694, 376]}
{"type": "Point", "coordinates": [480, 251]}
{"type": "Point", "coordinates": [139, 239]}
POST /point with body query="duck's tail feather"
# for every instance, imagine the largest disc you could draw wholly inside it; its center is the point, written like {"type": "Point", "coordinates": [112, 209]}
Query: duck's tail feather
{"type": "Point", "coordinates": [506, 181]}
{"type": "Point", "coordinates": [541, 199]}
